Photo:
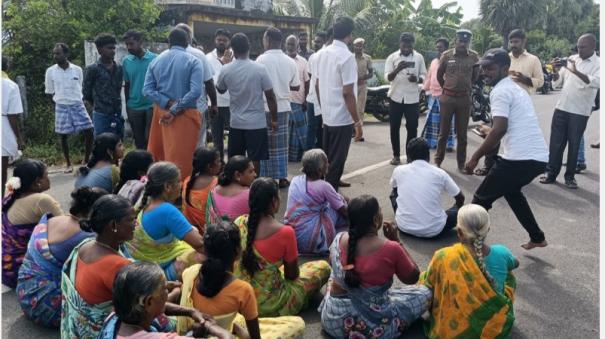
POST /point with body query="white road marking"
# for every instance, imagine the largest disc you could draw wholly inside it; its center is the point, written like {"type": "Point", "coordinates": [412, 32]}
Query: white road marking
{"type": "Point", "coordinates": [370, 168]}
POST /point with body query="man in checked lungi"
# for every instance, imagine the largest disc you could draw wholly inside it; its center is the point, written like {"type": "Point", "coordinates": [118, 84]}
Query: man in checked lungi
{"type": "Point", "coordinates": [64, 81]}
{"type": "Point", "coordinates": [284, 77]}
{"type": "Point", "coordinates": [298, 102]}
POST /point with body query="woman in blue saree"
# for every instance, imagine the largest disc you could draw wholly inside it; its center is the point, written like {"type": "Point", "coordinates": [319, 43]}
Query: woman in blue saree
{"type": "Point", "coordinates": [39, 280]}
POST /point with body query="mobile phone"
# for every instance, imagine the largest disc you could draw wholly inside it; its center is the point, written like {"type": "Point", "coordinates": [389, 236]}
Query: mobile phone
{"type": "Point", "coordinates": [563, 62]}
{"type": "Point", "coordinates": [411, 64]}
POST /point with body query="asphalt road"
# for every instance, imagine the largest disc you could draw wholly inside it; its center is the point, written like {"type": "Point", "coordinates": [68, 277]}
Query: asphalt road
{"type": "Point", "coordinates": [558, 286]}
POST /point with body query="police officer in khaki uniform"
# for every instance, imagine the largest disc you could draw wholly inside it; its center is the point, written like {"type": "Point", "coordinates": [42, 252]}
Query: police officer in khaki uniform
{"type": "Point", "coordinates": [456, 75]}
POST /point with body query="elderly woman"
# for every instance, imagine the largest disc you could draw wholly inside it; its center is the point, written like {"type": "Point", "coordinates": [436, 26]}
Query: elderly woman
{"type": "Point", "coordinates": [315, 210]}
{"type": "Point", "coordinates": [482, 305]}
{"type": "Point", "coordinates": [139, 297]}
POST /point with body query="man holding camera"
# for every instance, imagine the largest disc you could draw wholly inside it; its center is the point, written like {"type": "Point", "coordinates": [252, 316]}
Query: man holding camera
{"type": "Point", "coordinates": [456, 75]}
{"type": "Point", "coordinates": [580, 77]}
{"type": "Point", "coordinates": [404, 69]}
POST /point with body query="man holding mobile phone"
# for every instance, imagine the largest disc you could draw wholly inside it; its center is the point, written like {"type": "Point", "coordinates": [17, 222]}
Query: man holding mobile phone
{"type": "Point", "coordinates": [404, 69]}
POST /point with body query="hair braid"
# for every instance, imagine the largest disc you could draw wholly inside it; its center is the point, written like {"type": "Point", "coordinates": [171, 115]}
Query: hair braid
{"type": "Point", "coordinates": [351, 277]}
{"type": "Point", "coordinates": [362, 211]}
{"type": "Point", "coordinates": [263, 192]}
{"type": "Point", "coordinates": [478, 247]}
{"type": "Point", "coordinates": [249, 258]}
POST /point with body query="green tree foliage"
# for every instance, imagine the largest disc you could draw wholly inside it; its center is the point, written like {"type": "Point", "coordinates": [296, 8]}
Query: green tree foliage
{"type": "Point", "coordinates": [32, 27]}
{"type": "Point", "coordinates": [505, 15]}
{"type": "Point", "coordinates": [484, 37]}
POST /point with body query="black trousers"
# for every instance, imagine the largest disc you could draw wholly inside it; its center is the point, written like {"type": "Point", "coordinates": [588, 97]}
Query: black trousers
{"type": "Point", "coordinates": [217, 127]}
{"type": "Point", "coordinates": [396, 112]}
{"type": "Point", "coordinates": [140, 123]}
{"type": "Point", "coordinates": [506, 179]}
{"type": "Point", "coordinates": [565, 129]}
{"type": "Point", "coordinates": [336, 143]}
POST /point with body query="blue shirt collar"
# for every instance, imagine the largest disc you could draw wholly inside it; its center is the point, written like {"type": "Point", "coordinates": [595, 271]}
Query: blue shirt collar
{"type": "Point", "coordinates": [178, 47]}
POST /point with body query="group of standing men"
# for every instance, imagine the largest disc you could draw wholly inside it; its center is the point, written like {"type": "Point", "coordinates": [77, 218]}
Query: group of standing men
{"type": "Point", "coordinates": [277, 106]}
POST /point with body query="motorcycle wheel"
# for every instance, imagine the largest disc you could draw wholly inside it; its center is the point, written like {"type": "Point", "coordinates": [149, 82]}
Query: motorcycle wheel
{"type": "Point", "coordinates": [381, 113]}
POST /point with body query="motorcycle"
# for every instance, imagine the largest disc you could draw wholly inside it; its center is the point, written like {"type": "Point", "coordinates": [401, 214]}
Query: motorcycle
{"type": "Point", "coordinates": [480, 110]}
{"type": "Point", "coordinates": [378, 102]}
{"type": "Point", "coordinates": [547, 82]}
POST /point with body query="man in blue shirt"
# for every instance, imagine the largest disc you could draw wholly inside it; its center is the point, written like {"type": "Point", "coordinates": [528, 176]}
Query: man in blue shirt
{"type": "Point", "coordinates": [138, 107]}
{"type": "Point", "coordinates": [174, 84]}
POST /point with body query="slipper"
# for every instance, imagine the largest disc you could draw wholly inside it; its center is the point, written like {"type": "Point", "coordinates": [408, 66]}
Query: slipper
{"type": "Point", "coordinates": [68, 169]}
{"type": "Point", "coordinates": [530, 245]}
{"type": "Point", "coordinates": [481, 171]}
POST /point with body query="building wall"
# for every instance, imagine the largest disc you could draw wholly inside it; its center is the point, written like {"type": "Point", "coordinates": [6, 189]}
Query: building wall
{"type": "Point", "coordinates": [260, 5]}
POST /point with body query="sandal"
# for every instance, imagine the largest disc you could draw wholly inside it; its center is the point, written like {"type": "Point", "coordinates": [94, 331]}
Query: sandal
{"type": "Point", "coordinates": [481, 171]}
{"type": "Point", "coordinates": [68, 169]}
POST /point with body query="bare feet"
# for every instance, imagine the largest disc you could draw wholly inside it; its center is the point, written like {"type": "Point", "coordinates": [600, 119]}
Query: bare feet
{"type": "Point", "coordinates": [531, 245]}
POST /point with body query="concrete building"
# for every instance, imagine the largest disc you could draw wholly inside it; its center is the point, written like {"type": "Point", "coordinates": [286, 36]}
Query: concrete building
{"type": "Point", "coordinates": [247, 16]}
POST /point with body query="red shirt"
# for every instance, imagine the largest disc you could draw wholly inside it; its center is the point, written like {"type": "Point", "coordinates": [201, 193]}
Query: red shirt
{"type": "Point", "coordinates": [280, 245]}
{"type": "Point", "coordinates": [378, 268]}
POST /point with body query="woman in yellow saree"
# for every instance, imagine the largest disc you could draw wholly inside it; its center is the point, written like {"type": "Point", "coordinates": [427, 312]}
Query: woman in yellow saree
{"type": "Point", "coordinates": [472, 284]}
{"type": "Point", "coordinates": [268, 245]}
{"type": "Point", "coordinates": [163, 234]}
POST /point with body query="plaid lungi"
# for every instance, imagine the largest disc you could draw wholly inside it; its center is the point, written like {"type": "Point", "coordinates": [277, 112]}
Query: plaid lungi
{"type": "Point", "coordinates": [431, 127]}
{"type": "Point", "coordinates": [297, 133]}
{"type": "Point", "coordinates": [277, 165]}
{"type": "Point", "coordinates": [72, 118]}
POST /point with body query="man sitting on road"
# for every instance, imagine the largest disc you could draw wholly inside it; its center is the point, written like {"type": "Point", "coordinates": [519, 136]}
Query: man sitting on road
{"type": "Point", "coordinates": [419, 187]}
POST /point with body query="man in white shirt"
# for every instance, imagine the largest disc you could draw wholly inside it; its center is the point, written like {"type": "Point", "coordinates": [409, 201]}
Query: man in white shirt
{"type": "Point", "coordinates": [524, 157]}
{"type": "Point", "coordinates": [404, 69]}
{"type": "Point", "coordinates": [297, 126]}
{"type": "Point", "coordinates": [336, 89]}
{"type": "Point", "coordinates": [581, 79]}
{"type": "Point", "coordinates": [284, 77]}
{"type": "Point", "coordinates": [64, 81]}
{"type": "Point", "coordinates": [12, 140]}
{"type": "Point", "coordinates": [314, 120]}
{"type": "Point", "coordinates": [419, 187]}
{"type": "Point", "coordinates": [219, 57]}
{"type": "Point", "coordinates": [207, 85]}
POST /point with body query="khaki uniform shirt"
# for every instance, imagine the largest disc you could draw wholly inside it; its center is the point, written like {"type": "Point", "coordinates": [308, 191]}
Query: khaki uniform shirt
{"type": "Point", "coordinates": [530, 66]}
{"type": "Point", "coordinates": [363, 65]}
{"type": "Point", "coordinates": [458, 74]}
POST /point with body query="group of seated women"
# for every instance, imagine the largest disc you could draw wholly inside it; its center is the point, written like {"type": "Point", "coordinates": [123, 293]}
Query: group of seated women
{"type": "Point", "coordinates": [132, 265]}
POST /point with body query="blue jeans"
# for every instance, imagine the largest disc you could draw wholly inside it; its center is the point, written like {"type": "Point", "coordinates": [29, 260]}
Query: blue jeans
{"type": "Point", "coordinates": [581, 156]}
{"type": "Point", "coordinates": [108, 123]}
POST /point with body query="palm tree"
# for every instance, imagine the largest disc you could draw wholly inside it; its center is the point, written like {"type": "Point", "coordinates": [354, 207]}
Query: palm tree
{"type": "Point", "coordinates": [505, 15]}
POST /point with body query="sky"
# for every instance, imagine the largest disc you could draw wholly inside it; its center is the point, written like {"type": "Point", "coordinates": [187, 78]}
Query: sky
{"type": "Point", "coordinates": [470, 8]}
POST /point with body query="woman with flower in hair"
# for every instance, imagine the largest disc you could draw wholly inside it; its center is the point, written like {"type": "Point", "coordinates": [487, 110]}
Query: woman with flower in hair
{"type": "Point", "coordinates": [22, 208]}
{"type": "Point", "coordinates": [360, 302]}
{"type": "Point", "coordinates": [132, 175]}
{"type": "Point", "coordinates": [472, 283]}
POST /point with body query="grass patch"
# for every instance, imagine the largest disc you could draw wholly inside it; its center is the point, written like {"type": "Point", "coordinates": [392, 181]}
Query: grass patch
{"type": "Point", "coordinates": [52, 155]}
